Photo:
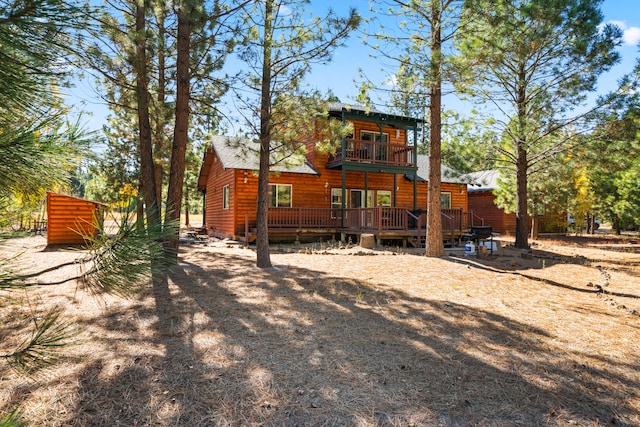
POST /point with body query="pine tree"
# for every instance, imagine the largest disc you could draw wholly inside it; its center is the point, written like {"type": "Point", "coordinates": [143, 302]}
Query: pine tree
{"type": "Point", "coordinates": [531, 64]}
{"type": "Point", "coordinates": [419, 45]}
{"type": "Point", "coordinates": [158, 64]}
{"type": "Point", "coordinates": [280, 47]}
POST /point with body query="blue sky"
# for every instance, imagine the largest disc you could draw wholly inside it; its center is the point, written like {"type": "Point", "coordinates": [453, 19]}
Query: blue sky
{"type": "Point", "coordinates": [342, 75]}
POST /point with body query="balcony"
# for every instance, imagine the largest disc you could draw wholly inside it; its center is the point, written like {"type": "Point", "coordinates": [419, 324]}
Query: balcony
{"type": "Point", "coordinates": [375, 153]}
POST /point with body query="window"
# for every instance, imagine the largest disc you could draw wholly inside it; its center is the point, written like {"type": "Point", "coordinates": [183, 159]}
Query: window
{"type": "Point", "coordinates": [336, 198]}
{"type": "Point", "coordinates": [367, 135]}
{"type": "Point", "coordinates": [279, 195]}
{"type": "Point", "coordinates": [383, 198]}
{"type": "Point", "coordinates": [445, 200]}
{"type": "Point", "coordinates": [225, 197]}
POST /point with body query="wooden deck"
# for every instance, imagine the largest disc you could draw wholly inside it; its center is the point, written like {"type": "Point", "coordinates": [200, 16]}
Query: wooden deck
{"type": "Point", "coordinates": [384, 222]}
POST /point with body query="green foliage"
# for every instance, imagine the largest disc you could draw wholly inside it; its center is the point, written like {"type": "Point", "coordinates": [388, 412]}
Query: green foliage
{"type": "Point", "coordinates": [296, 40]}
{"type": "Point", "coordinates": [34, 36]}
{"type": "Point", "coordinates": [13, 419]}
{"type": "Point", "coordinates": [531, 63]}
{"type": "Point", "coordinates": [42, 349]}
{"type": "Point", "coordinates": [610, 162]}
{"type": "Point", "coordinates": [282, 41]}
{"type": "Point", "coordinates": [49, 146]}
{"type": "Point", "coordinates": [38, 146]}
{"type": "Point", "coordinates": [120, 263]}
{"type": "Point", "coordinates": [467, 143]}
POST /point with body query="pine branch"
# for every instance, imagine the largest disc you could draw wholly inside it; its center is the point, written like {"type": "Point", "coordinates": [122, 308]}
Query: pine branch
{"type": "Point", "coordinates": [120, 264]}
{"type": "Point", "coordinates": [41, 350]}
{"type": "Point", "coordinates": [13, 419]}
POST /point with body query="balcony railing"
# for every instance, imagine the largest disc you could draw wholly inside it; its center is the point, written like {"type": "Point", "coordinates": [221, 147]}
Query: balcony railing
{"type": "Point", "coordinates": [382, 153]}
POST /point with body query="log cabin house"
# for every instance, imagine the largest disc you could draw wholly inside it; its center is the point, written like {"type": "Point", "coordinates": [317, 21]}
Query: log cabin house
{"type": "Point", "coordinates": [482, 202]}
{"type": "Point", "coordinates": [374, 183]}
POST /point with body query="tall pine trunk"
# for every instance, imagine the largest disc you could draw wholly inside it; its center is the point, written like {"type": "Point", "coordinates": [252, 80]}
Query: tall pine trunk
{"type": "Point", "coordinates": [160, 99]}
{"type": "Point", "coordinates": [435, 245]}
{"type": "Point", "coordinates": [522, 223]}
{"type": "Point", "coordinates": [262, 238]}
{"type": "Point", "coordinates": [181, 130]}
{"type": "Point", "coordinates": [147, 169]}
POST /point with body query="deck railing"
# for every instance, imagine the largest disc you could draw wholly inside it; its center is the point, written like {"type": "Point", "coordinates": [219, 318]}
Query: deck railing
{"type": "Point", "coordinates": [303, 218]}
{"type": "Point", "coordinates": [385, 153]}
{"type": "Point", "coordinates": [460, 220]}
{"type": "Point", "coordinates": [377, 219]}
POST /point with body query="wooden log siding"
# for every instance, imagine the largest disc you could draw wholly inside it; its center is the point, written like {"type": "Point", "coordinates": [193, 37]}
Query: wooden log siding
{"type": "Point", "coordinates": [70, 218]}
{"type": "Point", "coordinates": [220, 221]}
{"type": "Point", "coordinates": [309, 191]}
{"type": "Point", "coordinates": [482, 203]}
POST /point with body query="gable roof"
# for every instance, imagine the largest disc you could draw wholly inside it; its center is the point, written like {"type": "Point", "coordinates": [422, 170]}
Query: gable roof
{"type": "Point", "coordinates": [448, 175]}
{"type": "Point", "coordinates": [483, 180]}
{"type": "Point", "coordinates": [242, 153]}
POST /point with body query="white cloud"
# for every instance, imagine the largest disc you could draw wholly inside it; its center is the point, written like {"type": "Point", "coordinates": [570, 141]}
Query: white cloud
{"type": "Point", "coordinates": [284, 10]}
{"type": "Point", "coordinates": [391, 81]}
{"type": "Point", "coordinates": [631, 36]}
{"type": "Point", "coordinates": [621, 24]}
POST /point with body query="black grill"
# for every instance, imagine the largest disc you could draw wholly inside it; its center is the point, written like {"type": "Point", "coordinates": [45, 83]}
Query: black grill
{"type": "Point", "coordinates": [480, 233]}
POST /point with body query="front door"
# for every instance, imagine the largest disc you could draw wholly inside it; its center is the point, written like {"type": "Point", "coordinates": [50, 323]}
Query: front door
{"type": "Point", "coordinates": [356, 199]}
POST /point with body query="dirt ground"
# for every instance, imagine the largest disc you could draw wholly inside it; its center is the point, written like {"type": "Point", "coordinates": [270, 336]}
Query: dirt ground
{"type": "Point", "coordinates": [342, 336]}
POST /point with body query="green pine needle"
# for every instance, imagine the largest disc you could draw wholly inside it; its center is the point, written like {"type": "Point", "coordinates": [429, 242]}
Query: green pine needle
{"type": "Point", "coordinates": [13, 419]}
{"type": "Point", "coordinates": [121, 263]}
{"type": "Point", "coordinates": [42, 349]}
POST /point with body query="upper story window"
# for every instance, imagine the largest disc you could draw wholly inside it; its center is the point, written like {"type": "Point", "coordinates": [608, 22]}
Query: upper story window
{"type": "Point", "coordinates": [367, 135]}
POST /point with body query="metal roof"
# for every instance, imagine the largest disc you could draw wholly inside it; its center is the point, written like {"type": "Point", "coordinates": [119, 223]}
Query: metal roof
{"type": "Point", "coordinates": [483, 180]}
{"type": "Point", "coordinates": [447, 174]}
{"type": "Point", "coordinates": [354, 111]}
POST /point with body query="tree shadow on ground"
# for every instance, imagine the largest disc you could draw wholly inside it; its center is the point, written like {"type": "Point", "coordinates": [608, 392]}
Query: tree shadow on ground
{"type": "Point", "coordinates": [235, 345]}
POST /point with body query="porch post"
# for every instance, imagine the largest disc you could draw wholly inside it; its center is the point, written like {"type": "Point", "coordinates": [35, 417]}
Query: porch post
{"type": "Point", "coordinates": [415, 191]}
{"type": "Point", "coordinates": [366, 189]}
{"type": "Point", "coordinates": [381, 125]}
{"type": "Point", "coordinates": [344, 193]}
{"type": "Point", "coordinates": [395, 186]}
{"type": "Point", "coordinates": [344, 175]}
